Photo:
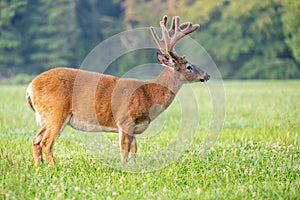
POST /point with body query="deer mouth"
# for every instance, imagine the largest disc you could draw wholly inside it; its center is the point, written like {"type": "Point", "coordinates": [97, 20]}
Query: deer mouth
{"type": "Point", "coordinates": [205, 78]}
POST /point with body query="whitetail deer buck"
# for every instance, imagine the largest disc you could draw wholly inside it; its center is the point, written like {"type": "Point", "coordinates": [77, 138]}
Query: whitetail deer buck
{"type": "Point", "coordinates": [122, 105]}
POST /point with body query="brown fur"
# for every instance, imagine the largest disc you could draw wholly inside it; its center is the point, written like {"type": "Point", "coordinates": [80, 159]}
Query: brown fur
{"type": "Point", "coordinates": [125, 105]}
{"type": "Point", "coordinates": [91, 101]}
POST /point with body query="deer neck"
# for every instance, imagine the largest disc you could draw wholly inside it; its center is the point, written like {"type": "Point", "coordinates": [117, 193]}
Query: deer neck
{"type": "Point", "coordinates": [169, 83]}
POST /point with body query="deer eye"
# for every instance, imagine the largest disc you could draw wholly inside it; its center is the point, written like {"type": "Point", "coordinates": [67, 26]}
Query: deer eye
{"type": "Point", "coordinates": [189, 67]}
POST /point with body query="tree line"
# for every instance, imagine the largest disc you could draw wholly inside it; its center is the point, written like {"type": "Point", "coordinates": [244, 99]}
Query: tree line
{"type": "Point", "coordinates": [247, 39]}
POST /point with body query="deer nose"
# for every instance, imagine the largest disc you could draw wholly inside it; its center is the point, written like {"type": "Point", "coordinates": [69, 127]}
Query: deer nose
{"type": "Point", "coordinates": [205, 77]}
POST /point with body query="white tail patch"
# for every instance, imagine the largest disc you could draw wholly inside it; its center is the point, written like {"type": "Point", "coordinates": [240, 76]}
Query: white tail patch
{"type": "Point", "coordinates": [29, 96]}
{"type": "Point", "coordinates": [29, 91]}
{"type": "Point", "coordinates": [38, 118]}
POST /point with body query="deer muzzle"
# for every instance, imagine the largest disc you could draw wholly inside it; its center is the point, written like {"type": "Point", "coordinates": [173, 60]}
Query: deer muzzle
{"type": "Point", "coordinates": [204, 77]}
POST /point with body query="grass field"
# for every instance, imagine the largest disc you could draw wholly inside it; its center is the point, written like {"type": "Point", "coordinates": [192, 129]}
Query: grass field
{"type": "Point", "coordinates": [256, 156]}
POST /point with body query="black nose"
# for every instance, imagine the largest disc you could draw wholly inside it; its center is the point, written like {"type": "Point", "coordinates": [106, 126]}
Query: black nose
{"type": "Point", "coordinates": [205, 77]}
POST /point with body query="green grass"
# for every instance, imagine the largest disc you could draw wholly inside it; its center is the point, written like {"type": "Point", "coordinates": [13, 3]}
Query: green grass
{"type": "Point", "coordinates": [256, 156]}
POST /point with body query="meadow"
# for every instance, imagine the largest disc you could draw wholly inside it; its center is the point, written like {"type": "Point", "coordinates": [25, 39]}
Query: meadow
{"type": "Point", "coordinates": [256, 156]}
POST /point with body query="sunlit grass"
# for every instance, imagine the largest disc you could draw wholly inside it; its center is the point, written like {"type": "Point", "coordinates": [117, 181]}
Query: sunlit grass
{"type": "Point", "coordinates": [256, 156]}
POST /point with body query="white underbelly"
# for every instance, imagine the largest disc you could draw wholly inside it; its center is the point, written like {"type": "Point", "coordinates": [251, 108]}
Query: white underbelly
{"type": "Point", "coordinates": [88, 126]}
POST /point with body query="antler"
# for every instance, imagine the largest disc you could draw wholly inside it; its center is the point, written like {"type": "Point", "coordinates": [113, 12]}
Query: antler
{"type": "Point", "coordinates": [173, 35]}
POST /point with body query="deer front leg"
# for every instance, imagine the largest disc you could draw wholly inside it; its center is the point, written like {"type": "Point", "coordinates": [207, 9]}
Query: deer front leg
{"type": "Point", "coordinates": [127, 144]}
{"type": "Point", "coordinates": [133, 149]}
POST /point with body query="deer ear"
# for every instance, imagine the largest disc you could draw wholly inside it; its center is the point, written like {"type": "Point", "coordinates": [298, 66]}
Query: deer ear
{"type": "Point", "coordinates": [163, 60]}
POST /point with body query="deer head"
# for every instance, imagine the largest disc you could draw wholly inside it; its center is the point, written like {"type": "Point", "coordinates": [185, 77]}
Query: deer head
{"type": "Point", "coordinates": [169, 57]}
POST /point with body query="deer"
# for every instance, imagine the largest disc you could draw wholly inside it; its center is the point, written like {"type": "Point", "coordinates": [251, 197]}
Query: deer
{"type": "Point", "coordinates": [91, 101]}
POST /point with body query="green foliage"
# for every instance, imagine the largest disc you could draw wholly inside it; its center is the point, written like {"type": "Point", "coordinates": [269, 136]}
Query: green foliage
{"type": "Point", "coordinates": [38, 35]}
{"type": "Point", "coordinates": [256, 156]}
{"type": "Point", "coordinates": [19, 79]}
{"type": "Point", "coordinates": [291, 25]}
{"type": "Point", "coordinates": [262, 68]}
{"type": "Point", "coordinates": [135, 15]}
{"type": "Point", "coordinates": [97, 20]}
{"type": "Point", "coordinates": [10, 38]}
{"type": "Point", "coordinates": [53, 37]}
{"type": "Point", "coordinates": [246, 39]}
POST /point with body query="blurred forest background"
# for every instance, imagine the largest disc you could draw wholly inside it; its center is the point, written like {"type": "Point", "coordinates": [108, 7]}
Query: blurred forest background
{"type": "Point", "coordinates": [247, 39]}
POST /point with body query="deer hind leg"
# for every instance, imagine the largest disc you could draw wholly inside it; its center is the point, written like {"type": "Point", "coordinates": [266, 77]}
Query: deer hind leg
{"type": "Point", "coordinates": [37, 149]}
{"type": "Point", "coordinates": [51, 133]}
{"type": "Point", "coordinates": [127, 144]}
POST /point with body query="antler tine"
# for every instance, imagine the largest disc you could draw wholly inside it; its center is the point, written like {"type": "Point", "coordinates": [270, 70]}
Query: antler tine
{"type": "Point", "coordinates": [181, 30]}
{"type": "Point", "coordinates": [162, 42]}
{"type": "Point", "coordinates": [188, 28]}
{"type": "Point", "coordinates": [159, 42]}
{"type": "Point", "coordinates": [182, 26]}
{"type": "Point", "coordinates": [173, 35]}
{"type": "Point", "coordinates": [175, 30]}
{"type": "Point", "coordinates": [166, 33]}
{"type": "Point", "coordinates": [172, 27]}
{"type": "Point", "coordinates": [164, 21]}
